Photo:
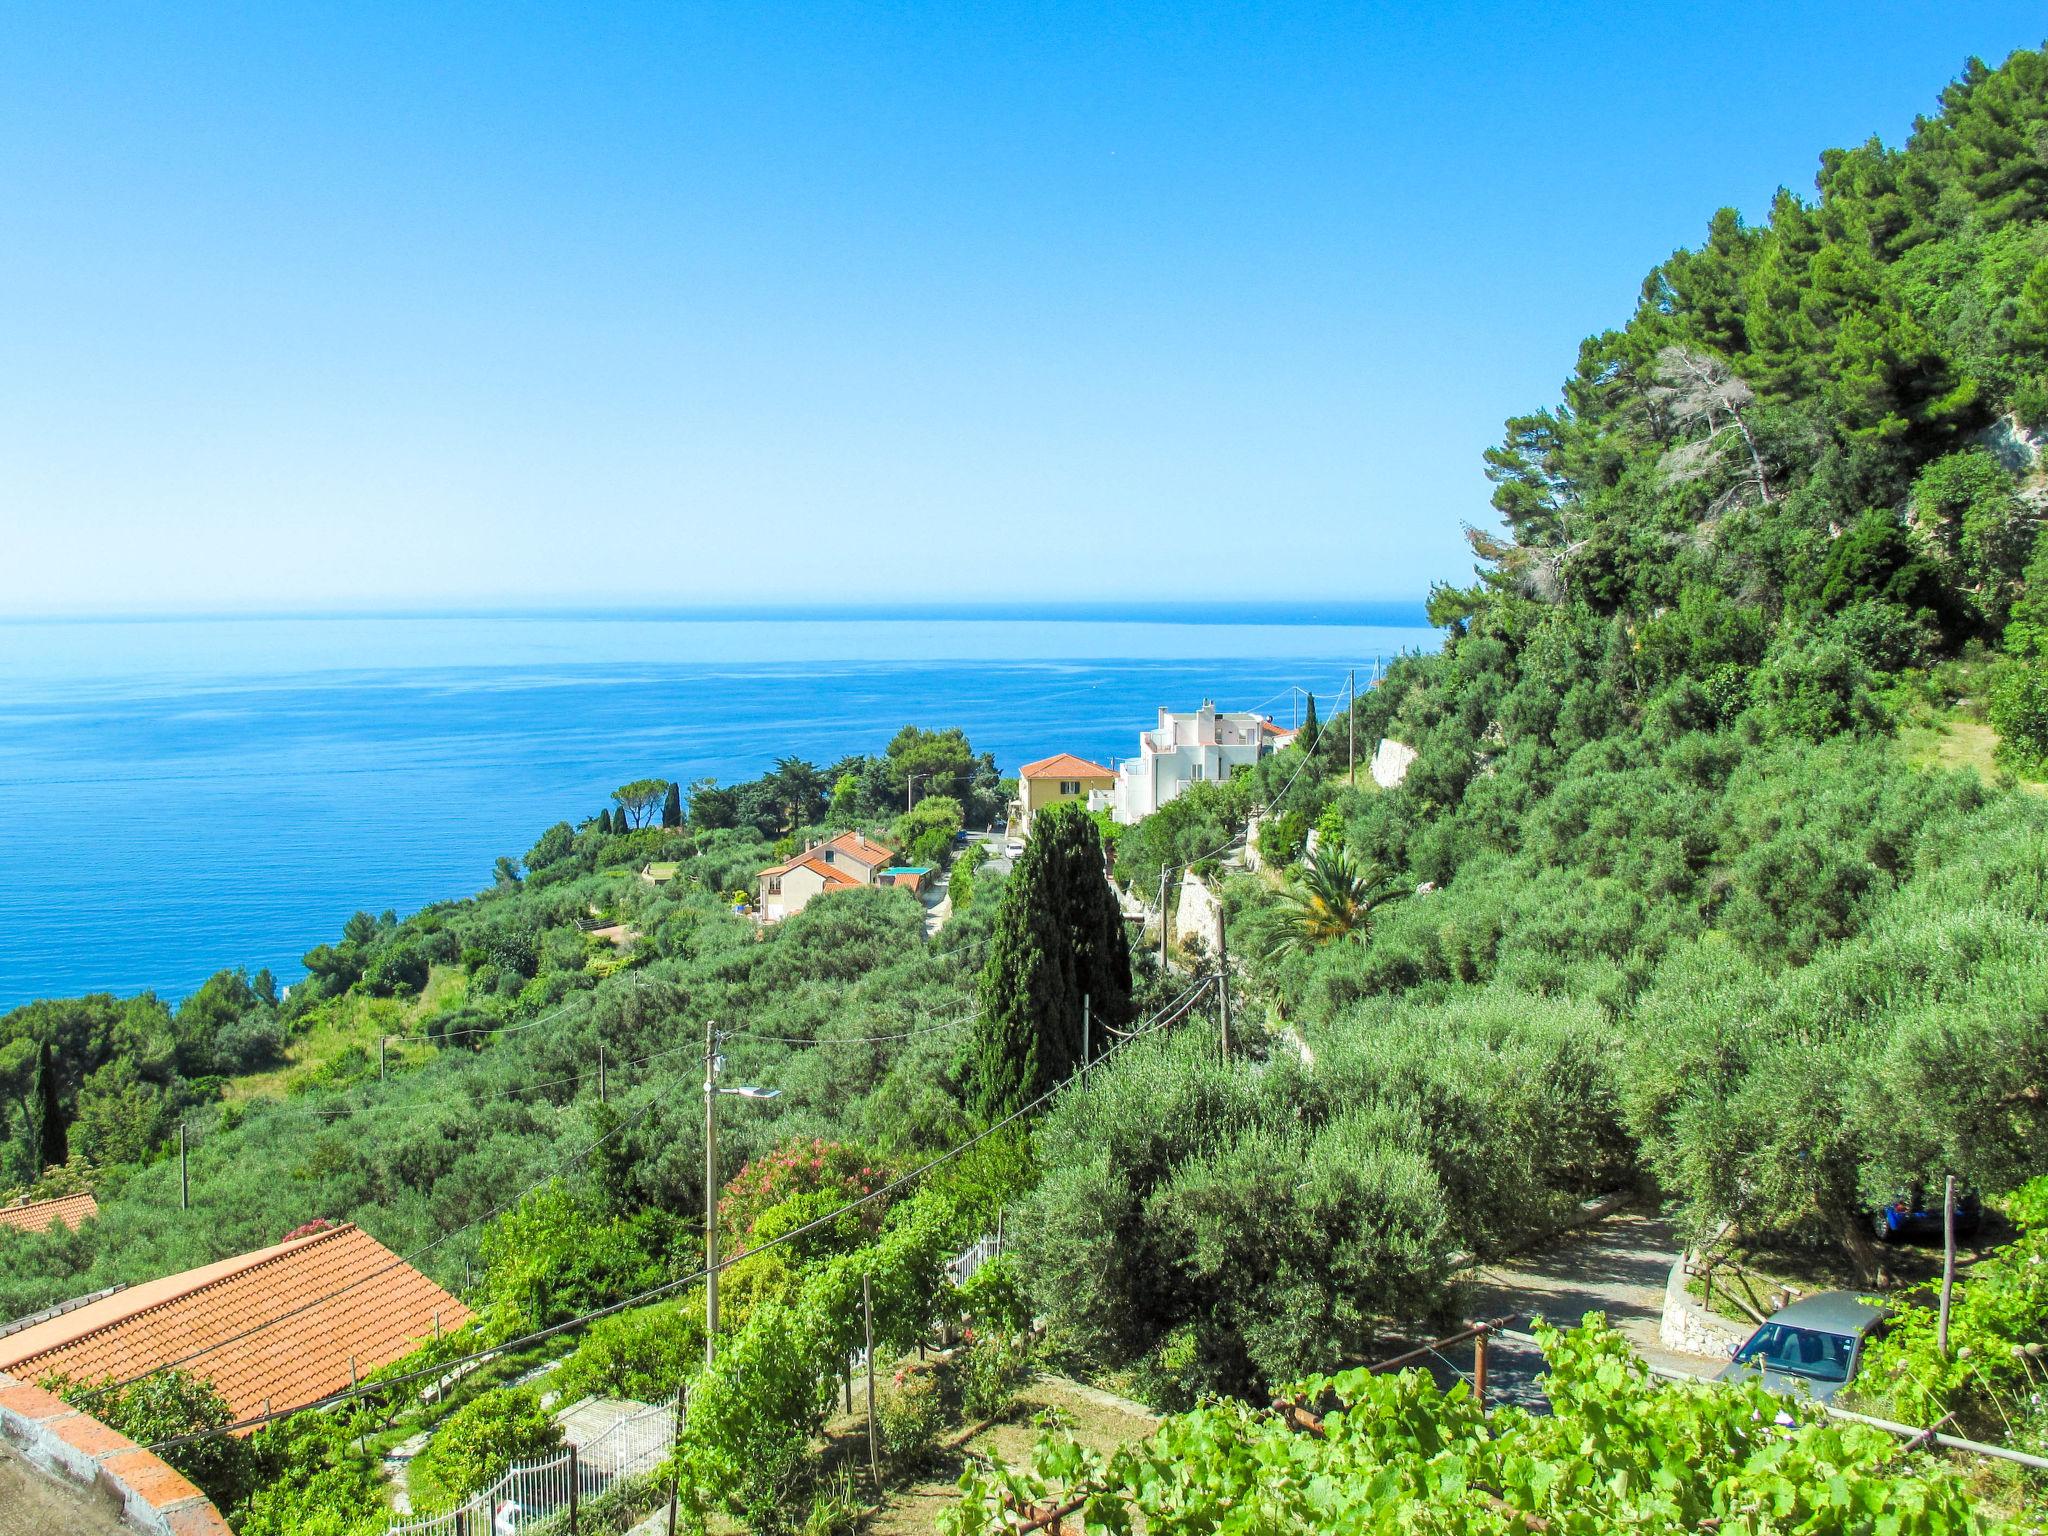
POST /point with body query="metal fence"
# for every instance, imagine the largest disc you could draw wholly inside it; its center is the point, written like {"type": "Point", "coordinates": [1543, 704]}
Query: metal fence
{"type": "Point", "coordinates": [545, 1495]}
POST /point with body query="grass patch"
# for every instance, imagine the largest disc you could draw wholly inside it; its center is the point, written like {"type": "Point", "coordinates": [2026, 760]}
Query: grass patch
{"type": "Point", "coordinates": [1956, 741]}
{"type": "Point", "coordinates": [355, 1022]}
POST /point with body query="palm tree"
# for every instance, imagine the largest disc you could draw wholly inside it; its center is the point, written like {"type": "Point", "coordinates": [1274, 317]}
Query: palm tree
{"type": "Point", "coordinates": [1333, 898]}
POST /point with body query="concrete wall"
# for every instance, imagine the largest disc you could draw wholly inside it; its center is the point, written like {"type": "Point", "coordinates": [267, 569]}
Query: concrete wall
{"type": "Point", "coordinates": [76, 1449]}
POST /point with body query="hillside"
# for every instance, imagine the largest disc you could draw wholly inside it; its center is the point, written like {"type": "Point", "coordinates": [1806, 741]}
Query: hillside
{"type": "Point", "coordinates": [1671, 897]}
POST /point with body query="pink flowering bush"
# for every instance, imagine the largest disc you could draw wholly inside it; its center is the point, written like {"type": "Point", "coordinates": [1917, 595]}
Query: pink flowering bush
{"type": "Point", "coordinates": [798, 1183]}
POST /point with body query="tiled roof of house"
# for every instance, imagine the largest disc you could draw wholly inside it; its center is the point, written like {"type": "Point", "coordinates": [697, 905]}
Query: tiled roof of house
{"type": "Point", "coordinates": [855, 846]}
{"type": "Point", "coordinates": [384, 1307]}
{"type": "Point", "coordinates": [833, 876]}
{"type": "Point", "coordinates": [27, 1215]}
{"type": "Point", "coordinates": [860, 849]}
{"type": "Point", "coordinates": [1274, 730]}
{"type": "Point", "coordinates": [1063, 766]}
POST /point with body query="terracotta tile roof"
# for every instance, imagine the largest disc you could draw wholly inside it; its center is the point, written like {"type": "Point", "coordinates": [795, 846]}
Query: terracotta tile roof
{"type": "Point", "coordinates": [852, 845]}
{"type": "Point", "coordinates": [387, 1308]}
{"type": "Point", "coordinates": [855, 846]}
{"type": "Point", "coordinates": [35, 1215]}
{"type": "Point", "coordinates": [1064, 766]}
{"type": "Point", "coordinates": [1274, 730]}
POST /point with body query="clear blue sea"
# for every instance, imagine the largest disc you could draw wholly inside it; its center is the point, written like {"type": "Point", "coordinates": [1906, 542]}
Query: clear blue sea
{"type": "Point", "coordinates": [179, 795]}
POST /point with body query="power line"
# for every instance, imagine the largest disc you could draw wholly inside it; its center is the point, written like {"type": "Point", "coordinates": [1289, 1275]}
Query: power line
{"type": "Point", "coordinates": [1164, 1017]}
{"type": "Point", "coordinates": [403, 1260]}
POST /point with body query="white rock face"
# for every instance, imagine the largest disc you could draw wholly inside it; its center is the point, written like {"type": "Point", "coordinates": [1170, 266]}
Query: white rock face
{"type": "Point", "coordinates": [1391, 762]}
{"type": "Point", "coordinates": [1199, 917]}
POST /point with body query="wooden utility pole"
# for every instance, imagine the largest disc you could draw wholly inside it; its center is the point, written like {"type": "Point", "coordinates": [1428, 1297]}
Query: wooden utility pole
{"type": "Point", "coordinates": [1351, 727]}
{"type": "Point", "coordinates": [381, 1040]}
{"type": "Point", "coordinates": [867, 1310]}
{"type": "Point", "coordinates": [184, 1174]}
{"type": "Point", "coordinates": [1479, 1369]}
{"type": "Point", "coordinates": [1162, 921]}
{"type": "Point", "coordinates": [1223, 978]}
{"type": "Point", "coordinates": [1948, 1259]}
{"type": "Point", "coordinates": [710, 1194]}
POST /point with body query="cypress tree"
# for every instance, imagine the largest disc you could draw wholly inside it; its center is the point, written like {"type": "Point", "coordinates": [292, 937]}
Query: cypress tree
{"type": "Point", "coordinates": [672, 807]}
{"type": "Point", "coordinates": [1059, 936]}
{"type": "Point", "coordinates": [1309, 732]}
{"type": "Point", "coordinates": [53, 1144]}
{"type": "Point", "coordinates": [605, 823]}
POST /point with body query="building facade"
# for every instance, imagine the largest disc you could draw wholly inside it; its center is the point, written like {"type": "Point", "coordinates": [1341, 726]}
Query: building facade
{"type": "Point", "coordinates": [1051, 780]}
{"type": "Point", "coordinates": [1190, 748]}
{"type": "Point", "coordinates": [845, 861]}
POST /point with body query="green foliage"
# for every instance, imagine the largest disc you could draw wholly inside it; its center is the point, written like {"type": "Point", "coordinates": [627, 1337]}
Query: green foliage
{"type": "Point", "coordinates": [162, 1407]}
{"type": "Point", "coordinates": [787, 1187]}
{"type": "Point", "coordinates": [477, 1443]}
{"type": "Point", "coordinates": [1619, 1452]}
{"type": "Point", "coordinates": [1988, 1383]}
{"type": "Point", "coordinates": [2018, 711]}
{"type": "Point", "coordinates": [638, 802]}
{"type": "Point", "coordinates": [924, 835]}
{"type": "Point", "coordinates": [313, 1481]}
{"type": "Point", "coordinates": [556, 1255]}
{"type": "Point", "coordinates": [1332, 897]}
{"type": "Point", "coordinates": [645, 1354]}
{"type": "Point", "coordinates": [1059, 938]}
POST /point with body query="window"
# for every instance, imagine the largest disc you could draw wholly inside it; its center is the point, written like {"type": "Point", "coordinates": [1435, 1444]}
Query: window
{"type": "Point", "coordinates": [775, 886]}
{"type": "Point", "coordinates": [1070, 786]}
{"type": "Point", "coordinates": [1201, 770]}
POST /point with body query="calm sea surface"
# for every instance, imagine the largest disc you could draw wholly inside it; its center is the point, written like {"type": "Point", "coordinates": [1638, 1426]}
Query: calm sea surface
{"type": "Point", "coordinates": [182, 795]}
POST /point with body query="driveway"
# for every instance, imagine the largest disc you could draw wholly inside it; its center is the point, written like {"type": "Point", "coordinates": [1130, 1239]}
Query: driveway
{"type": "Point", "coordinates": [1617, 1267]}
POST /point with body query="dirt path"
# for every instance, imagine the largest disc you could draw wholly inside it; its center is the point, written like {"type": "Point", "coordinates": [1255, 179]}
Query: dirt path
{"type": "Point", "coordinates": [1618, 1267]}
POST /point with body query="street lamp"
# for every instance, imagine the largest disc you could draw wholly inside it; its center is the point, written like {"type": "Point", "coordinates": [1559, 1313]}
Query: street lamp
{"type": "Point", "coordinates": [713, 1064]}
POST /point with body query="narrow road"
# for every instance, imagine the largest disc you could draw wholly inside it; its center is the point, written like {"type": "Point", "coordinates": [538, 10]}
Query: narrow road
{"type": "Point", "coordinates": [1617, 1267]}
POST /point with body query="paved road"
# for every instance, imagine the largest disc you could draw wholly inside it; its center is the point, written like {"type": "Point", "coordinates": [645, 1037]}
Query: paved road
{"type": "Point", "coordinates": [1617, 1267]}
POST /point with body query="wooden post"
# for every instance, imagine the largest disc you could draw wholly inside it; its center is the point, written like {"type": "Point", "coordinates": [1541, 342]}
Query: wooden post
{"type": "Point", "coordinates": [1223, 978]}
{"type": "Point", "coordinates": [600, 1074]}
{"type": "Point", "coordinates": [1948, 1259]}
{"type": "Point", "coordinates": [710, 1195]}
{"type": "Point", "coordinates": [846, 1380]}
{"type": "Point", "coordinates": [1351, 728]}
{"type": "Point", "coordinates": [184, 1173]}
{"type": "Point", "coordinates": [1479, 1369]}
{"type": "Point", "coordinates": [999, 1227]}
{"type": "Point", "coordinates": [575, 1490]}
{"type": "Point", "coordinates": [381, 1039]}
{"type": "Point", "coordinates": [867, 1308]}
{"type": "Point", "coordinates": [437, 1325]}
{"type": "Point", "coordinates": [1162, 921]}
{"type": "Point", "coordinates": [1084, 1031]}
{"type": "Point", "coordinates": [674, 1484]}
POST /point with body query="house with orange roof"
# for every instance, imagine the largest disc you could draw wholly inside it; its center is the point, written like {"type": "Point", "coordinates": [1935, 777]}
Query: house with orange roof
{"type": "Point", "coordinates": [1051, 780]}
{"type": "Point", "coordinates": [838, 864]}
{"type": "Point", "coordinates": [26, 1215]}
{"type": "Point", "coordinates": [278, 1328]}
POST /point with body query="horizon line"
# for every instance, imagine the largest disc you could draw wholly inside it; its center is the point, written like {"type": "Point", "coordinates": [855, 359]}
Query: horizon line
{"type": "Point", "coordinates": [1286, 610]}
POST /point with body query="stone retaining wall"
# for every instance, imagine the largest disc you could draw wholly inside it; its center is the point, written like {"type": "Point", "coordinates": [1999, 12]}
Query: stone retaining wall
{"type": "Point", "coordinates": [77, 1449]}
{"type": "Point", "coordinates": [1689, 1328]}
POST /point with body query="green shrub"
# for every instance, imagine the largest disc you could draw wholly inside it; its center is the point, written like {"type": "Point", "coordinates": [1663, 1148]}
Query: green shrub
{"type": "Point", "coordinates": [477, 1443]}
{"type": "Point", "coordinates": [910, 1413]}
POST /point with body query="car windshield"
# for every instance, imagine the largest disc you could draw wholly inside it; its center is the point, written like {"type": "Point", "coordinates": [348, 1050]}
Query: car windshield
{"type": "Point", "coordinates": [1799, 1351]}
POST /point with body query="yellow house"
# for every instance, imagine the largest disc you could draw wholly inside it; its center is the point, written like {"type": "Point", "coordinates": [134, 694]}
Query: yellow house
{"type": "Point", "coordinates": [1053, 779]}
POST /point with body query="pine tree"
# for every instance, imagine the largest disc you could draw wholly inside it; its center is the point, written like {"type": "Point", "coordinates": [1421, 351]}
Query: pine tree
{"type": "Point", "coordinates": [672, 807]}
{"type": "Point", "coordinates": [53, 1144]}
{"type": "Point", "coordinates": [1059, 937]}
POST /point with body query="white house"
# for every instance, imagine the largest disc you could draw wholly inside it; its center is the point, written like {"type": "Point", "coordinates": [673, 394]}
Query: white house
{"type": "Point", "coordinates": [1186, 749]}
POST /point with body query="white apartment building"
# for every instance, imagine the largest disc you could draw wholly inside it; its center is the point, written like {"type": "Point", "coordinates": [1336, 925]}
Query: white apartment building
{"type": "Point", "coordinates": [1186, 749]}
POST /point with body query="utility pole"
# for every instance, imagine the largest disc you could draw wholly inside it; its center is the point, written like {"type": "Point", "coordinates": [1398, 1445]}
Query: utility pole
{"type": "Point", "coordinates": [1162, 921]}
{"type": "Point", "coordinates": [867, 1309]}
{"type": "Point", "coordinates": [184, 1175]}
{"type": "Point", "coordinates": [1351, 730]}
{"type": "Point", "coordinates": [710, 1195]}
{"type": "Point", "coordinates": [1223, 977]}
{"type": "Point", "coordinates": [381, 1039]}
{"type": "Point", "coordinates": [600, 1072]}
{"type": "Point", "coordinates": [1948, 1259]}
{"type": "Point", "coordinates": [1084, 1031]}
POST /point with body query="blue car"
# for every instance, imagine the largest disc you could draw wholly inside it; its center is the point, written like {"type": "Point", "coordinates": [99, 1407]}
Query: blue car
{"type": "Point", "coordinates": [1914, 1218]}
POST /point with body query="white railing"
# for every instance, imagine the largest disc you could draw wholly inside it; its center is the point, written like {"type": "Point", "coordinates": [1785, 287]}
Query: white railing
{"type": "Point", "coordinates": [547, 1493]}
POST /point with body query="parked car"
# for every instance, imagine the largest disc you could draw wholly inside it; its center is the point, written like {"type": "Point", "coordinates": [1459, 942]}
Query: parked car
{"type": "Point", "coordinates": [1014, 848]}
{"type": "Point", "coordinates": [1811, 1346]}
{"type": "Point", "coordinates": [1912, 1217]}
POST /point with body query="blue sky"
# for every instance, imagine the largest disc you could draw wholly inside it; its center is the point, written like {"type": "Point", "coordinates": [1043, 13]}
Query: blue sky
{"type": "Point", "coordinates": [410, 305]}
